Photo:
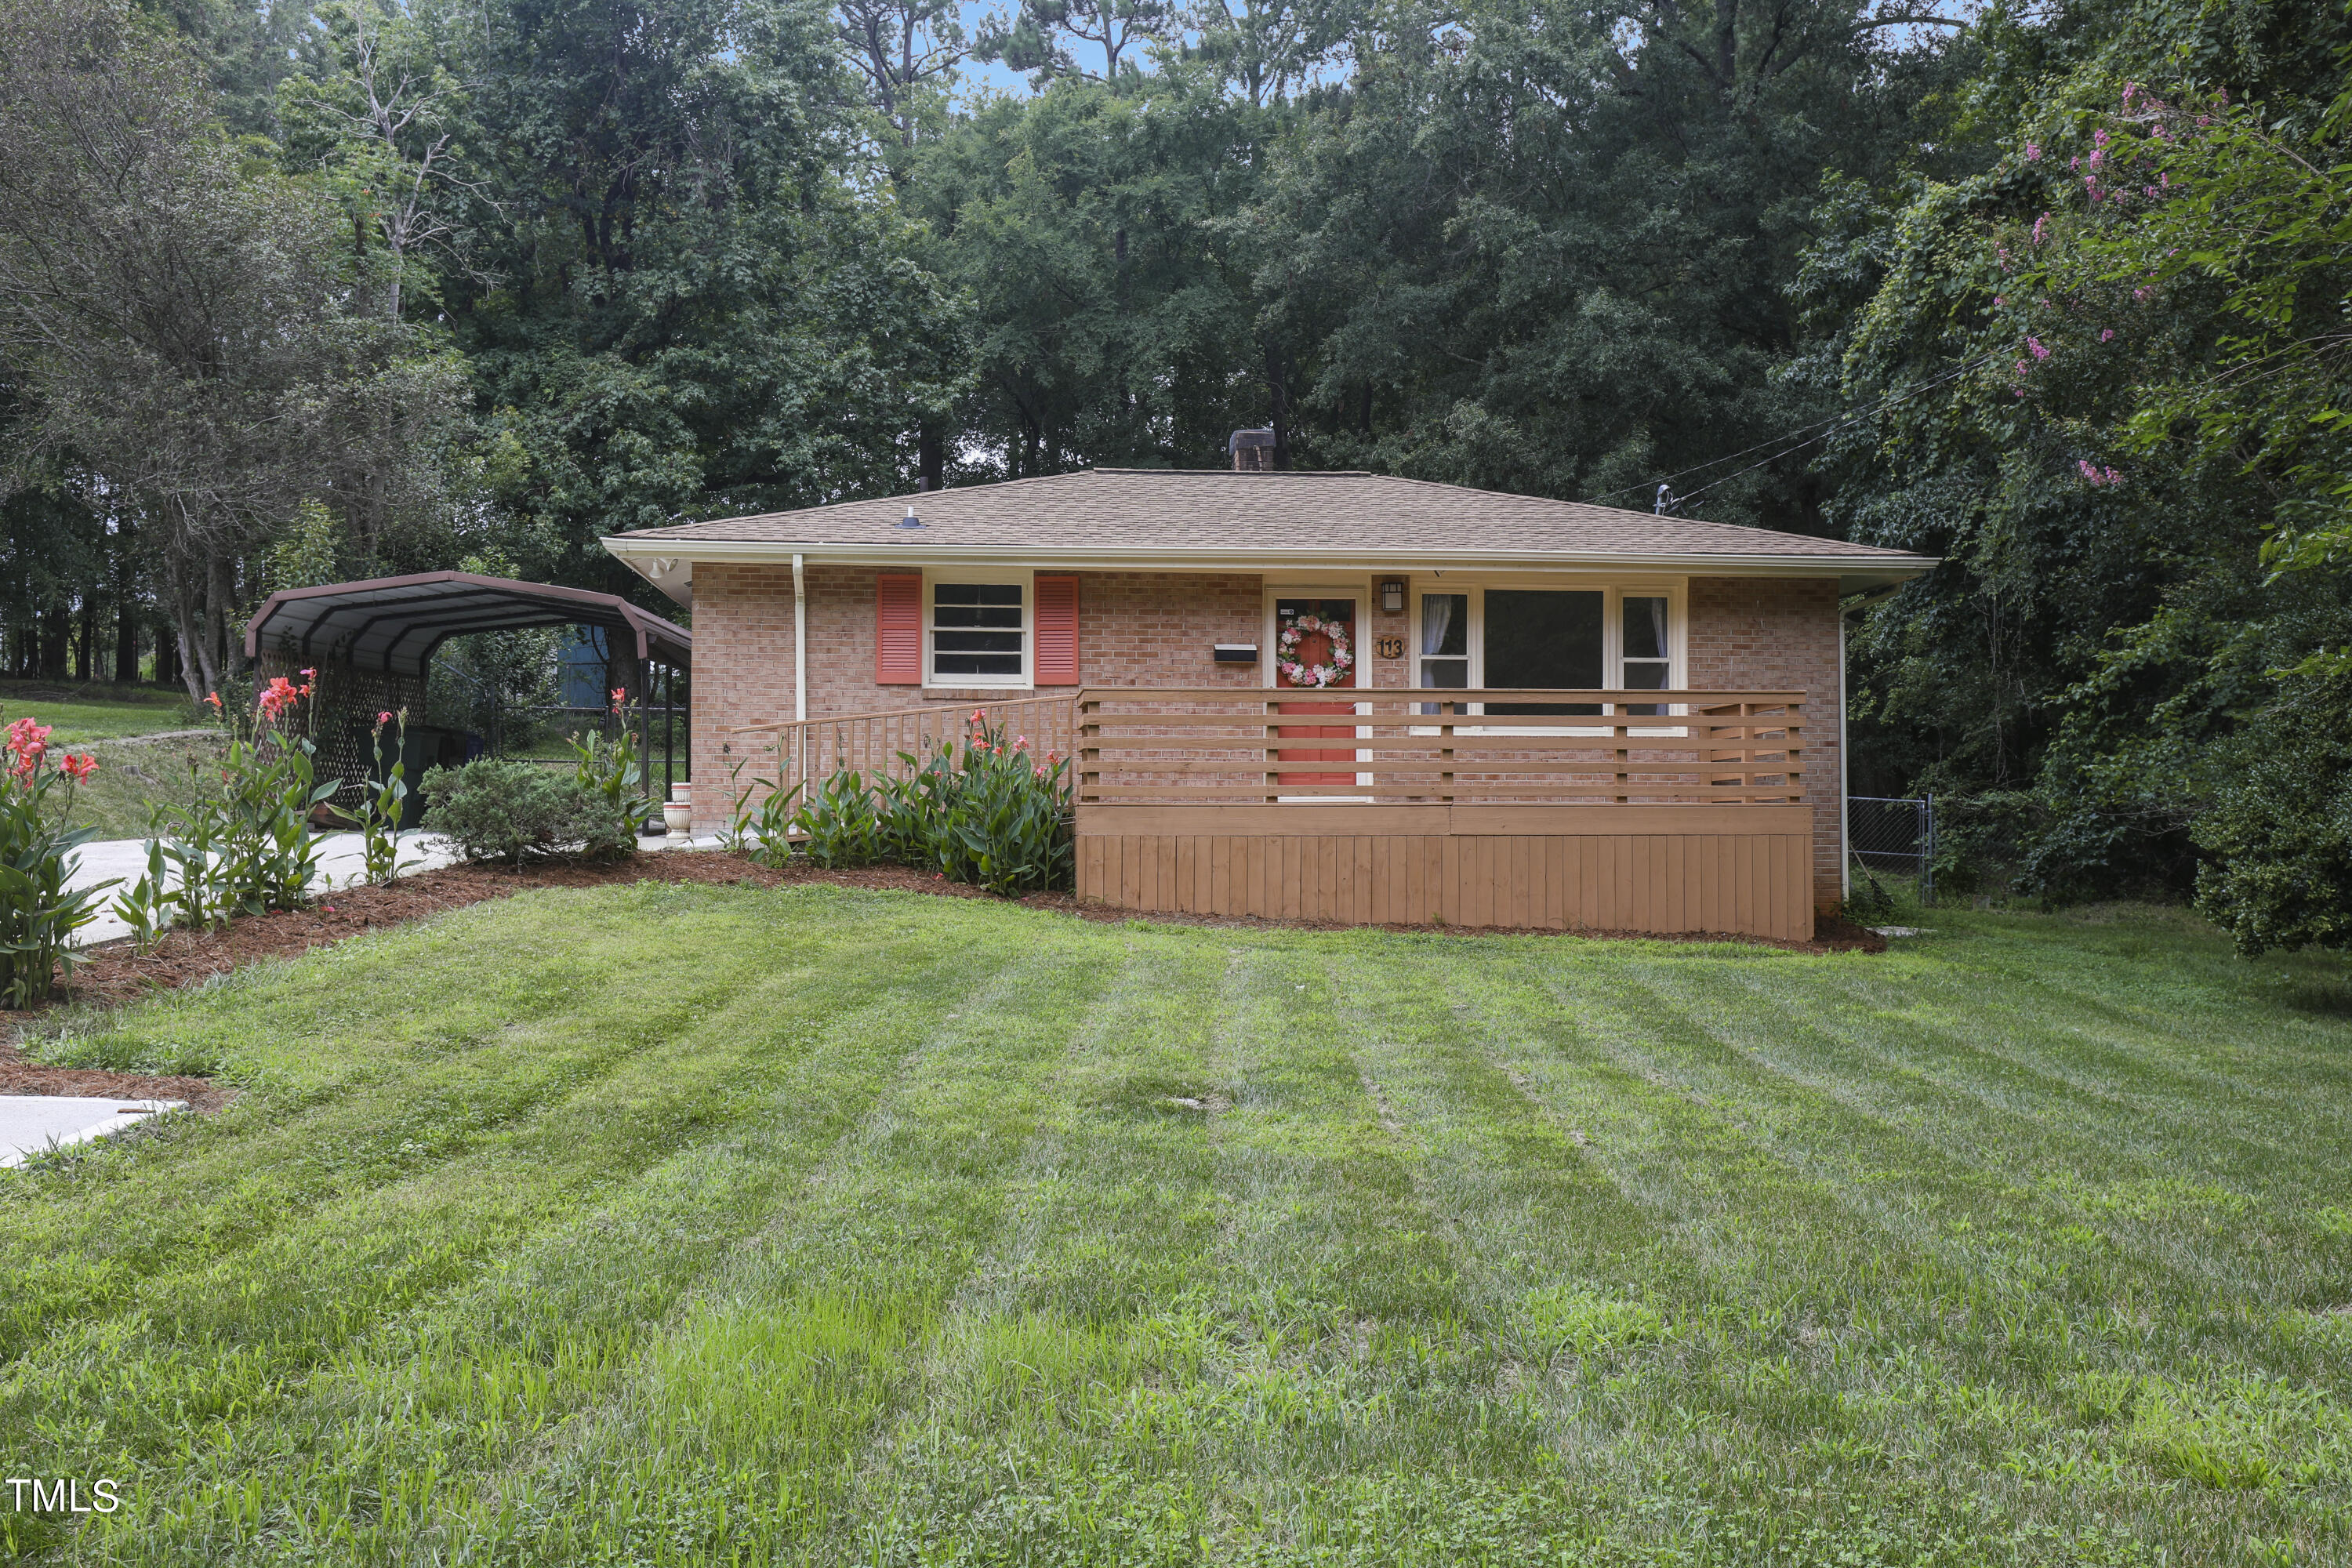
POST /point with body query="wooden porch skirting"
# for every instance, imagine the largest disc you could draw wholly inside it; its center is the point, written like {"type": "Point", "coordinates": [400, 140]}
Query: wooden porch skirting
{"type": "Point", "coordinates": [1667, 868]}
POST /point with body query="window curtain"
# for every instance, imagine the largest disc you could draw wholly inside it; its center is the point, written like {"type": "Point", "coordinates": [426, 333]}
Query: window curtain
{"type": "Point", "coordinates": [1658, 626]}
{"type": "Point", "coordinates": [1436, 616]}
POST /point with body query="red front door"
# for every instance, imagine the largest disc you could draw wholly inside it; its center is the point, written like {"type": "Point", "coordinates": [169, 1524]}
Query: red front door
{"type": "Point", "coordinates": [1322, 658]}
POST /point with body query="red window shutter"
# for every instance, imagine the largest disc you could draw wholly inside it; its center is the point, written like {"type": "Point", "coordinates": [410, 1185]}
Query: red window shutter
{"type": "Point", "coordinates": [899, 629]}
{"type": "Point", "coordinates": [1057, 631]}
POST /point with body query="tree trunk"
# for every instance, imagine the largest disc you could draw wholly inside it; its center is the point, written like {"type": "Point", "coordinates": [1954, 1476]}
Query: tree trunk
{"type": "Point", "coordinates": [126, 638]}
{"type": "Point", "coordinates": [1278, 395]}
{"type": "Point", "coordinates": [930, 458]}
{"type": "Point", "coordinates": [185, 646]}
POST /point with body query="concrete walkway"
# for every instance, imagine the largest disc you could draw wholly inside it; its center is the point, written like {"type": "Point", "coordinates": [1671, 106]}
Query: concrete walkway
{"type": "Point", "coordinates": [341, 863]}
{"type": "Point", "coordinates": [33, 1124]}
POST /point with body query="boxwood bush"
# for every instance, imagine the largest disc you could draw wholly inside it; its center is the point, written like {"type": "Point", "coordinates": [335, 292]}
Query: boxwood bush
{"type": "Point", "coordinates": [497, 808]}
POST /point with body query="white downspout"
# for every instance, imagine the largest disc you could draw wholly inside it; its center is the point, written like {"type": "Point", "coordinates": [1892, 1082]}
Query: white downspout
{"type": "Point", "coordinates": [799, 643]}
{"type": "Point", "coordinates": [1845, 849]}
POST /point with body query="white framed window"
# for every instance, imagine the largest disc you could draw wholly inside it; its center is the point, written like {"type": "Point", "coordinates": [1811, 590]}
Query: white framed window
{"type": "Point", "coordinates": [1497, 633]}
{"type": "Point", "coordinates": [979, 627]}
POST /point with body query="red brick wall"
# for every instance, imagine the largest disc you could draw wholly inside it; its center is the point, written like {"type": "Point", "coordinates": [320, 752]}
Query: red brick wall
{"type": "Point", "coordinates": [1135, 628]}
{"type": "Point", "coordinates": [1768, 635]}
{"type": "Point", "coordinates": [1138, 628]}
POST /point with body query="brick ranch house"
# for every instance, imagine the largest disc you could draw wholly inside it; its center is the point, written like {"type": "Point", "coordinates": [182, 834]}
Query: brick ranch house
{"type": "Point", "coordinates": [1104, 580]}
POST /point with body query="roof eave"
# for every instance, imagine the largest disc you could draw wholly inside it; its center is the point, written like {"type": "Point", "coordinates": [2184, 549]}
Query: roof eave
{"type": "Point", "coordinates": [668, 563]}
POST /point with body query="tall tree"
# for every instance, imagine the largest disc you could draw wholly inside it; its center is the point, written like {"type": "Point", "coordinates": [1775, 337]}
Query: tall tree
{"type": "Point", "coordinates": [1115, 309]}
{"type": "Point", "coordinates": [907, 51]}
{"type": "Point", "coordinates": [1052, 38]}
{"type": "Point", "coordinates": [192, 327]}
{"type": "Point", "coordinates": [2095, 397]}
{"type": "Point", "coordinates": [1545, 247]}
{"type": "Point", "coordinates": [703, 301]}
{"type": "Point", "coordinates": [379, 113]}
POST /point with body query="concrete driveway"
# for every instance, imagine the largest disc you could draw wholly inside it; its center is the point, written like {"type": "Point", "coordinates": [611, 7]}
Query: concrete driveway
{"type": "Point", "coordinates": [341, 863]}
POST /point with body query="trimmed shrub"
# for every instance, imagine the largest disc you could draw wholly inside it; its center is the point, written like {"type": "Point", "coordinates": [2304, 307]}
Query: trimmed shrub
{"type": "Point", "coordinates": [497, 808]}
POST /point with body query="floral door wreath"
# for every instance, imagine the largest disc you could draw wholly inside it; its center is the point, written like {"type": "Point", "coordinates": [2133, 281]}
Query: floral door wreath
{"type": "Point", "coordinates": [1301, 674]}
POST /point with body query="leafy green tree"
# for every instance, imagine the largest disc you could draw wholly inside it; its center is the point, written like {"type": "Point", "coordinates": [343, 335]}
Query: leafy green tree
{"type": "Point", "coordinates": [1091, 226]}
{"type": "Point", "coordinates": [699, 303]}
{"type": "Point", "coordinates": [1051, 38]}
{"type": "Point", "coordinates": [2080, 384]}
{"type": "Point", "coordinates": [1546, 246]}
{"type": "Point", "coordinates": [907, 51]}
{"type": "Point", "coordinates": [188, 324]}
{"type": "Point", "coordinates": [379, 113]}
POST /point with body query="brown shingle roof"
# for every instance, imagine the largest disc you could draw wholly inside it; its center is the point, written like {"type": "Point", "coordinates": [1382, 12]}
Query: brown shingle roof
{"type": "Point", "coordinates": [1143, 510]}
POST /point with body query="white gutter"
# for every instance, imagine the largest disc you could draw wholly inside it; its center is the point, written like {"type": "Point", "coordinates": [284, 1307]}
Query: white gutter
{"type": "Point", "coordinates": [657, 559]}
{"type": "Point", "coordinates": [800, 641]}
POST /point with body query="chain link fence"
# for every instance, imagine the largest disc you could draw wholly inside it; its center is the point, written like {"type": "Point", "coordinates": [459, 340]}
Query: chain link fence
{"type": "Point", "coordinates": [1894, 838]}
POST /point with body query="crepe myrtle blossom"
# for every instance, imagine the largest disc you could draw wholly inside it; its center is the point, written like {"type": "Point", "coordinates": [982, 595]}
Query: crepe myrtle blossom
{"type": "Point", "coordinates": [2040, 228]}
{"type": "Point", "coordinates": [2094, 475]}
{"type": "Point", "coordinates": [2036, 348]}
{"type": "Point", "coordinates": [2106, 334]}
{"type": "Point", "coordinates": [2033, 152]}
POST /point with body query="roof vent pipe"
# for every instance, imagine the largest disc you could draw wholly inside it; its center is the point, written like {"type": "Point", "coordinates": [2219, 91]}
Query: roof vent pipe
{"type": "Point", "coordinates": [910, 520]}
{"type": "Point", "coordinates": [1251, 451]}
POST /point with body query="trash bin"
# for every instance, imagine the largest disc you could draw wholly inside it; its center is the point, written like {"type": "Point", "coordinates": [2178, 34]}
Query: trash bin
{"type": "Point", "coordinates": [423, 747]}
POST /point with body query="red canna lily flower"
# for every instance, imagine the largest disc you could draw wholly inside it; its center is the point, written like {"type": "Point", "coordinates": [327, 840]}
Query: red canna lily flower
{"type": "Point", "coordinates": [80, 768]}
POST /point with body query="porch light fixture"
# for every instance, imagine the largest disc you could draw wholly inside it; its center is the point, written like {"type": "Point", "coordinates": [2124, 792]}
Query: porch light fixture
{"type": "Point", "coordinates": [1392, 595]}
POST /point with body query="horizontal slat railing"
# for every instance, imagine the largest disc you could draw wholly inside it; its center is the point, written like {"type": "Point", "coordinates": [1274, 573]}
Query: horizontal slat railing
{"type": "Point", "coordinates": [1222, 745]}
{"type": "Point", "coordinates": [809, 751]}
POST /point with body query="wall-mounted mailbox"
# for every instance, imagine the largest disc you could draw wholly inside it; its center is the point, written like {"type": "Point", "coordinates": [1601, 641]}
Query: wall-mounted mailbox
{"type": "Point", "coordinates": [1236, 653]}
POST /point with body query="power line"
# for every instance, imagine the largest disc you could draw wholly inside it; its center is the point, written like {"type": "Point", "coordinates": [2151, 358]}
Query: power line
{"type": "Point", "coordinates": [1834, 423]}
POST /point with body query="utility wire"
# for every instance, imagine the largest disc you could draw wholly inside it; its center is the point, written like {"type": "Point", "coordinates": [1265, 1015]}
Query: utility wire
{"type": "Point", "coordinates": [1834, 424]}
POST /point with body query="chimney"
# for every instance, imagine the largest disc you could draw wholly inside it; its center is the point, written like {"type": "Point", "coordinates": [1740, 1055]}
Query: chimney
{"type": "Point", "coordinates": [1252, 451]}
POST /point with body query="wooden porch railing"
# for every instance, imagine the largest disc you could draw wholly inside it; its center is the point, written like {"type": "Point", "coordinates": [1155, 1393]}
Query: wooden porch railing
{"type": "Point", "coordinates": [1223, 746]}
{"type": "Point", "coordinates": [809, 751]}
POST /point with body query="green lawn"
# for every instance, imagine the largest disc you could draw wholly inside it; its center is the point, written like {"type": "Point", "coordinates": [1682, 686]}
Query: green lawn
{"type": "Point", "coordinates": [94, 712]}
{"type": "Point", "coordinates": [689, 1224]}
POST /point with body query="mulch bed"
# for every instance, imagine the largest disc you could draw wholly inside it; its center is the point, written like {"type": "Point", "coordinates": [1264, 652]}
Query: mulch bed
{"type": "Point", "coordinates": [112, 972]}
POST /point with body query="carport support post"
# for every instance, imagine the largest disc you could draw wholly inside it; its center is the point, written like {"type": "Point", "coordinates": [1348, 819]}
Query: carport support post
{"type": "Point", "coordinates": [646, 733]}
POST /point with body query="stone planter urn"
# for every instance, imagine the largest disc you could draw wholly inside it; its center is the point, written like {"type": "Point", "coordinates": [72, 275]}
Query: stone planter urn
{"type": "Point", "coordinates": [677, 815]}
